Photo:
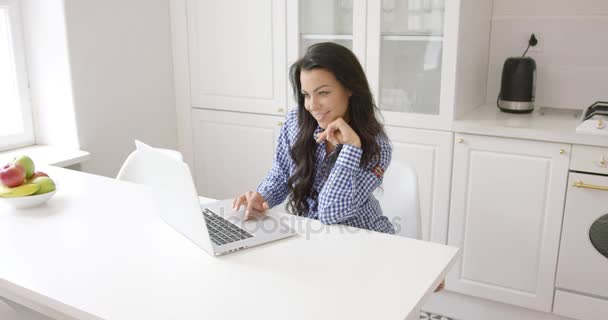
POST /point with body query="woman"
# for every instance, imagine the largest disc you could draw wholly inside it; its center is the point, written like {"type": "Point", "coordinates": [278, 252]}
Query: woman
{"type": "Point", "coordinates": [332, 150]}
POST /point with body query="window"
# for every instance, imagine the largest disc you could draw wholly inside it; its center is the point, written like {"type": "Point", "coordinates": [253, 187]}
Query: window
{"type": "Point", "coordinates": [16, 128]}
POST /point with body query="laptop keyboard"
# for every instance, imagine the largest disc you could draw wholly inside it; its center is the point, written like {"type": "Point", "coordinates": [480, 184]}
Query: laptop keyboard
{"type": "Point", "coordinates": [223, 231]}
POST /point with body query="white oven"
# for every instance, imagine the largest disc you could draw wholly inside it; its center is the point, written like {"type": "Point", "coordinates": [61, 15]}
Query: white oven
{"type": "Point", "coordinates": [582, 270]}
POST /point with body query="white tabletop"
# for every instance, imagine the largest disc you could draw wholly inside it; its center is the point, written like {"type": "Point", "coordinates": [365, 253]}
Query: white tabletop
{"type": "Point", "coordinates": [98, 249]}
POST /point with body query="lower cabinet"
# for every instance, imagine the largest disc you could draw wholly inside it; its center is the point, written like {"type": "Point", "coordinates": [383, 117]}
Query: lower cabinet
{"type": "Point", "coordinates": [430, 155]}
{"type": "Point", "coordinates": [506, 212]}
{"type": "Point", "coordinates": [232, 151]}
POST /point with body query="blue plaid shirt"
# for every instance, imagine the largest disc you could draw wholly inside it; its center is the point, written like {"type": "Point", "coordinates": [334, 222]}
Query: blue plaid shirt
{"type": "Point", "coordinates": [343, 189]}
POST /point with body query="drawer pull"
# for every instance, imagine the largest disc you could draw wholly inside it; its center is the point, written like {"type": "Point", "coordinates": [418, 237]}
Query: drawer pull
{"type": "Point", "coordinates": [602, 162]}
{"type": "Point", "coordinates": [581, 184]}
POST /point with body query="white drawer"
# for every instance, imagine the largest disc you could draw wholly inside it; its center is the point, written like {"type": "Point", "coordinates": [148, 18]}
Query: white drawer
{"type": "Point", "coordinates": [578, 306]}
{"type": "Point", "coordinates": [589, 159]}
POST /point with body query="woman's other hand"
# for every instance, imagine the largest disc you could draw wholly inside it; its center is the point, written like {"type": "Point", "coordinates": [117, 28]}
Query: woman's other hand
{"type": "Point", "coordinates": [253, 201]}
{"type": "Point", "coordinates": [339, 132]}
{"type": "Point", "coordinates": [440, 287]}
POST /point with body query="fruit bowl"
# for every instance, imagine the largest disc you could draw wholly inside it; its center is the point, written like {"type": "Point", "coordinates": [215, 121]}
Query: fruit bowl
{"type": "Point", "coordinates": [28, 201]}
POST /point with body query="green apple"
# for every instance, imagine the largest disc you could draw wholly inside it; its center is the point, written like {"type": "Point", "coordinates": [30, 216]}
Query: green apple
{"type": "Point", "coordinates": [46, 185]}
{"type": "Point", "coordinates": [27, 163]}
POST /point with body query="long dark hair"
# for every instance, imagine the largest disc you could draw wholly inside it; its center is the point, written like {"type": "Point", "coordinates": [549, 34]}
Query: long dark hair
{"type": "Point", "coordinates": [343, 64]}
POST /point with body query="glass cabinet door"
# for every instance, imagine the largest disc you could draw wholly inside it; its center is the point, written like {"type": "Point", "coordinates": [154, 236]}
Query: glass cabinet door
{"type": "Point", "coordinates": [325, 21]}
{"type": "Point", "coordinates": [411, 46]}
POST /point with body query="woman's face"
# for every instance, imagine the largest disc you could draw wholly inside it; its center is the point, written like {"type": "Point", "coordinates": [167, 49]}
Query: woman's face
{"type": "Point", "coordinates": [324, 96]}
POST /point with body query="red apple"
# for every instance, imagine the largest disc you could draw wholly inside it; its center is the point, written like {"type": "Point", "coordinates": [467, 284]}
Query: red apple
{"type": "Point", "coordinates": [12, 175]}
{"type": "Point", "coordinates": [38, 174]}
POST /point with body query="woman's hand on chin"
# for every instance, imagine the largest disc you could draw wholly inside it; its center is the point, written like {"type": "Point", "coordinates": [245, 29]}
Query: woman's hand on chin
{"type": "Point", "coordinates": [339, 132]}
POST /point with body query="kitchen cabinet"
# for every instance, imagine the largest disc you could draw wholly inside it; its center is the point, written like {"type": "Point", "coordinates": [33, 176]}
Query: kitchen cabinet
{"type": "Point", "coordinates": [407, 48]}
{"type": "Point", "coordinates": [236, 53]}
{"type": "Point", "coordinates": [234, 57]}
{"type": "Point", "coordinates": [234, 151]}
{"type": "Point", "coordinates": [507, 204]}
{"type": "Point", "coordinates": [429, 152]}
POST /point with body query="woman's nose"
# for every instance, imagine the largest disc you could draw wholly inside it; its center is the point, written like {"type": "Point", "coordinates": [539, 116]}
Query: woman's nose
{"type": "Point", "coordinates": [313, 103]}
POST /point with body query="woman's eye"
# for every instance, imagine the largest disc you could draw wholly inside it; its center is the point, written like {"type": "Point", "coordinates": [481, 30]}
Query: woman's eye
{"type": "Point", "coordinates": [323, 93]}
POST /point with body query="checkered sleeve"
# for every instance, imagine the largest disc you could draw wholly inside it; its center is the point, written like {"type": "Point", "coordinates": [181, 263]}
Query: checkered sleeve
{"type": "Point", "coordinates": [274, 186]}
{"type": "Point", "coordinates": [349, 185]}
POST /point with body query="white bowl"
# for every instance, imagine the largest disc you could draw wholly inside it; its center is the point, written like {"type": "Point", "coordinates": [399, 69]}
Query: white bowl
{"type": "Point", "coordinates": [28, 201]}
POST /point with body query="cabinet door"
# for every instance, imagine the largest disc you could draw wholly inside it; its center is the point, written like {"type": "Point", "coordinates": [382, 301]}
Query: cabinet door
{"type": "Point", "coordinates": [232, 151]}
{"type": "Point", "coordinates": [430, 154]}
{"type": "Point", "coordinates": [314, 21]}
{"type": "Point", "coordinates": [411, 45]}
{"type": "Point", "coordinates": [237, 55]}
{"type": "Point", "coordinates": [506, 212]}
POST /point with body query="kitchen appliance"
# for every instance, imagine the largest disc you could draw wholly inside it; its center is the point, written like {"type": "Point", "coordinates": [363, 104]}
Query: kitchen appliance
{"type": "Point", "coordinates": [595, 119]}
{"type": "Point", "coordinates": [517, 86]}
{"type": "Point", "coordinates": [582, 270]}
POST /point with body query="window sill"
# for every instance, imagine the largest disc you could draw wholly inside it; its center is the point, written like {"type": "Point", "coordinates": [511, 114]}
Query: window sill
{"type": "Point", "coordinates": [47, 155]}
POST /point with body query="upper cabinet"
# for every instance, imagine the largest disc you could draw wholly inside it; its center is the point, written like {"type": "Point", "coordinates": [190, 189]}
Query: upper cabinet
{"type": "Point", "coordinates": [421, 57]}
{"type": "Point", "coordinates": [237, 55]}
{"type": "Point", "coordinates": [410, 44]}
{"type": "Point", "coordinates": [408, 49]}
{"type": "Point", "coordinates": [322, 20]}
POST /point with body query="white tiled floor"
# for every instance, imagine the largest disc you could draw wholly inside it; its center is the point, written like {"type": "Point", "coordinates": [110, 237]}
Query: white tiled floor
{"type": "Point", "coordinates": [430, 316]}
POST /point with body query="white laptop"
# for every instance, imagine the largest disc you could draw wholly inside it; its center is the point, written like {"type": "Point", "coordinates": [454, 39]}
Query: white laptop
{"type": "Point", "coordinates": [215, 227]}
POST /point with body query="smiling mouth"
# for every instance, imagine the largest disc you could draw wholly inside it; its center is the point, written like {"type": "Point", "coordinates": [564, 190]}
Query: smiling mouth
{"type": "Point", "coordinates": [320, 116]}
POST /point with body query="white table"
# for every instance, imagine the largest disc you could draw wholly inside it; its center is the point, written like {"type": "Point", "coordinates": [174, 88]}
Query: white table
{"type": "Point", "coordinates": [98, 249]}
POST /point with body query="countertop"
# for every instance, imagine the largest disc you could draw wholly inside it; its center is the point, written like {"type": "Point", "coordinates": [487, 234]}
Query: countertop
{"type": "Point", "coordinates": [544, 124]}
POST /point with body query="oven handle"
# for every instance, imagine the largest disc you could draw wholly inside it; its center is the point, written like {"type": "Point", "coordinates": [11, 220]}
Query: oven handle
{"type": "Point", "coordinates": [581, 184]}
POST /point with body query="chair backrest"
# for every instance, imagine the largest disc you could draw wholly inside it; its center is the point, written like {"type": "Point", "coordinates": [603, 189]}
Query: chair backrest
{"type": "Point", "coordinates": [399, 199]}
{"type": "Point", "coordinates": [134, 170]}
{"type": "Point", "coordinates": [6, 311]}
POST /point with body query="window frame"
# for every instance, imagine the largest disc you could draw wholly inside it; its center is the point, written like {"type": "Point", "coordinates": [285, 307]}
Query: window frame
{"type": "Point", "coordinates": [27, 137]}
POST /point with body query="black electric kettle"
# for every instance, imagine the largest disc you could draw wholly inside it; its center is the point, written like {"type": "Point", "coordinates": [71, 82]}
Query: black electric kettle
{"type": "Point", "coordinates": [518, 83]}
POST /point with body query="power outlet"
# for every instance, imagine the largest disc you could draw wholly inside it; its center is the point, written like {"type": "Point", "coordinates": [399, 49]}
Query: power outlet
{"type": "Point", "coordinates": [538, 48]}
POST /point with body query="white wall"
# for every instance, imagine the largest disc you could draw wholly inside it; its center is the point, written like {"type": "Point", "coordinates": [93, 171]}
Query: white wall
{"type": "Point", "coordinates": [120, 55]}
{"type": "Point", "coordinates": [572, 69]}
{"type": "Point", "coordinates": [473, 50]}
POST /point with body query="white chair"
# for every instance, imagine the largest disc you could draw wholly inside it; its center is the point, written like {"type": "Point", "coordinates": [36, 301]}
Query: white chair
{"type": "Point", "coordinates": [134, 170]}
{"type": "Point", "coordinates": [6, 311]}
{"type": "Point", "coordinates": [399, 200]}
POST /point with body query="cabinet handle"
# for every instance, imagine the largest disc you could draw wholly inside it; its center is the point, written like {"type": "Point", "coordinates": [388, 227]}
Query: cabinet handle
{"type": "Point", "coordinates": [581, 184]}
{"type": "Point", "coordinates": [562, 151]}
{"type": "Point", "coordinates": [280, 109]}
{"type": "Point", "coordinates": [460, 140]}
{"type": "Point", "coordinates": [280, 124]}
{"type": "Point", "coordinates": [602, 162]}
